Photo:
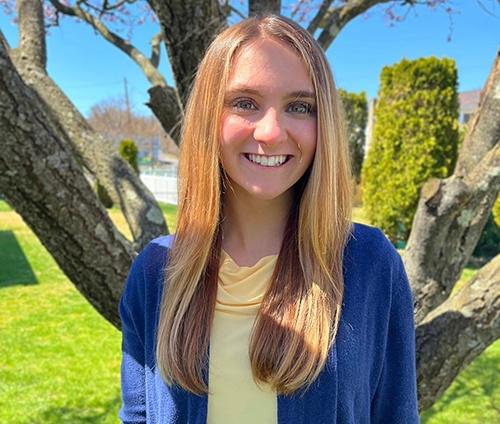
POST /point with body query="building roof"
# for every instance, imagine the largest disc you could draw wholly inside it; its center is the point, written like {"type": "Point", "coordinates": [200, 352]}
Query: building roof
{"type": "Point", "coordinates": [469, 101]}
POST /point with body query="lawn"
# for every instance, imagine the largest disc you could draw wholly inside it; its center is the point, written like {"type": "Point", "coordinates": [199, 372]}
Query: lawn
{"type": "Point", "coordinates": [60, 360]}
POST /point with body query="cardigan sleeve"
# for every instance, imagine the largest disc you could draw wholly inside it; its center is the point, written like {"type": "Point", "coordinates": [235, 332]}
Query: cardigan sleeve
{"type": "Point", "coordinates": [395, 399]}
{"type": "Point", "coordinates": [133, 409]}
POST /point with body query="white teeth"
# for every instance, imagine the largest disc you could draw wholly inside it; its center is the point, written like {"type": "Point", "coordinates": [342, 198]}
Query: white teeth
{"type": "Point", "coordinates": [267, 160]}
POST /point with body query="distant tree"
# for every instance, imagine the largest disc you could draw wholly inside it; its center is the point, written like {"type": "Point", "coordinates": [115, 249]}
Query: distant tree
{"type": "Point", "coordinates": [129, 151]}
{"type": "Point", "coordinates": [496, 211]}
{"type": "Point", "coordinates": [112, 119]}
{"type": "Point", "coordinates": [488, 244]}
{"type": "Point", "coordinates": [356, 113]}
{"type": "Point", "coordinates": [415, 138]}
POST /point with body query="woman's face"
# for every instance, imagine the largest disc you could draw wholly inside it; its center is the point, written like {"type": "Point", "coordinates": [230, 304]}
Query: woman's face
{"type": "Point", "coordinates": [269, 111]}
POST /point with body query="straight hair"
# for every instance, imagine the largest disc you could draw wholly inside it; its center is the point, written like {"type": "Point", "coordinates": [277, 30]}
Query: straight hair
{"type": "Point", "coordinates": [299, 315]}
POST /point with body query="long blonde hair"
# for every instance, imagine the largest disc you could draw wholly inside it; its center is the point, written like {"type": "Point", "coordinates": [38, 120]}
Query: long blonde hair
{"type": "Point", "coordinates": [299, 316]}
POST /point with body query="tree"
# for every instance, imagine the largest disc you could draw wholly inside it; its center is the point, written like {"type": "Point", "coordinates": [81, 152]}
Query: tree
{"type": "Point", "coordinates": [48, 145]}
{"type": "Point", "coordinates": [111, 119]}
{"type": "Point", "coordinates": [496, 211]}
{"type": "Point", "coordinates": [128, 151]}
{"type": "Point", "coordinates": [356, 114]}
{"type": "Point", "coordinates": [415, 137]}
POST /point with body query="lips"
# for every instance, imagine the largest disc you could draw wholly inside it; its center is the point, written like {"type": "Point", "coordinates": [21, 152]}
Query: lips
{"type": "Point", "coordinates": [288, 157]}
{"type": "Point", "coordinates": [267, 161]}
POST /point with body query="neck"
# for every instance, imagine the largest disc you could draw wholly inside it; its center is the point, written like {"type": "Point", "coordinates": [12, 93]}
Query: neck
{"type": "Point", "coordinates": [253, 228]}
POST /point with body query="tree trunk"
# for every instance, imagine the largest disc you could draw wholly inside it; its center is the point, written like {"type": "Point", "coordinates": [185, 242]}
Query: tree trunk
{"type": "Point", "coordinates": [259, 7]}
{"type": "Point", "coordinates": [138, 205]}
{"type": "Point", "coordinates": [163, 102]}
{"type": "Point", "coordinates": [188, 27]}
{"type": "Point", "coordinates": [452, 213]}
{"type": "Point", "coordinates": [41, 179]}
{"type": "Point", "coordinates": [456, 332]}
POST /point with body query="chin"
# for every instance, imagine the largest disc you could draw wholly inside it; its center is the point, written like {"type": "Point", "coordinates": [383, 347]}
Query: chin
{"type": "Point", "coordinates": [266, 195]}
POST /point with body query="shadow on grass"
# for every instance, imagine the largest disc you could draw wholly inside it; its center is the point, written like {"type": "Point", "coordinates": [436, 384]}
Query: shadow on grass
{"type": "Point", "coordinates": [479, 379]}
{"type": "Point", "coordinates": [14, 266]}
{"type": "Point", "coordinates": [81, 414]}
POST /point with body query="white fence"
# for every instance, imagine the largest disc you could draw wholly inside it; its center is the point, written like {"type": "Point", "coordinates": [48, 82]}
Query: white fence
{"type": "Point", "coordinates": [163, 187]}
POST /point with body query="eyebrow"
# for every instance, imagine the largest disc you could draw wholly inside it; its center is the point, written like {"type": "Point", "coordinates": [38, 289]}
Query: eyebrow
{"type": "Point", "coordinates": [293, 94]}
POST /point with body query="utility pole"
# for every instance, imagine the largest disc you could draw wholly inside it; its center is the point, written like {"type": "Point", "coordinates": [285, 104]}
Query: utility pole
{"type": "Point", "coordinates": [127, 104]}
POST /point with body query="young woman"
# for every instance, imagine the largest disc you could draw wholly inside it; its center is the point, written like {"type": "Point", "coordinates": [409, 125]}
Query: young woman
{"type": "Point", "coordinates": [268, 305]}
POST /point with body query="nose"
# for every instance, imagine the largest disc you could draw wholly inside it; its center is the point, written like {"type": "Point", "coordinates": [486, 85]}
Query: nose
{"type": "Point", "coordinates": [269, 129]}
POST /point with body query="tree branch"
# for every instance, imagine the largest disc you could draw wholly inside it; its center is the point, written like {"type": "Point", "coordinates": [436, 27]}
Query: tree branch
{"type": "Point", "coordinates": [138, 205]}
{"type": "Point", "coordinates": [320, 16]}
{"type": "Point", "coordinates": [452, 213]}
{"type": "Point", "coordinates": [163, 102]}
{"type": "Point", "coordinates": [186, 39]}
{"type": "Point", "coordinates": [457, 332]}
{"type": "Point", "coordinates": [47, 188]}
{"type": "Point", "coordinates": [257, 7]}
{"type": "Point", "coordinates": [336, 18]}
{"type": "Point", "coordinates": [150, 71]}
{"type": "Point", "coordinates": [32, 36]}
{"type": "Point", "coordinates": [155, 49]}
{"type": "Point", "coordinates": [483, 126]}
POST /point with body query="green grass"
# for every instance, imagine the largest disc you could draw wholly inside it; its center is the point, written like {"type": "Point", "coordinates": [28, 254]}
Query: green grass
{"type": "Point", "coordinates": [60, 360]}
{"type": "Point", "coordinates": [4, 206]}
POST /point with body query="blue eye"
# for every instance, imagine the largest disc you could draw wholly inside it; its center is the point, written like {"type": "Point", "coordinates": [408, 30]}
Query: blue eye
{"type": "Point", "coordinates": [301, 108]}
{"type": "Point", "coordinates": [244, 105]}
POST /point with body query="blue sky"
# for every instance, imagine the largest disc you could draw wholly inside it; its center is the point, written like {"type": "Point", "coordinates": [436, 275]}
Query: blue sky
{"type": "Point", "coordinates": [90, 70]}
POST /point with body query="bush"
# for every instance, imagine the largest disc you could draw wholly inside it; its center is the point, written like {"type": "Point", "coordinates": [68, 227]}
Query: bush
{"type": "Point", "coordinates": [129, 151]}
{"type": "Point", "coordinates": [356, 114]}
{"type": "Point", "coordinates": [496, 211]}
{"type": "Point", "coordinates": [488, 245]}
{"type": "Point", "coordinates": [415, 137]}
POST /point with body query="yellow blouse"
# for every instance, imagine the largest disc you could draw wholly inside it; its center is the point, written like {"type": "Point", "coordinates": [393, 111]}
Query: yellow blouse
{"type": "Point", "coordinates": [234, 397]}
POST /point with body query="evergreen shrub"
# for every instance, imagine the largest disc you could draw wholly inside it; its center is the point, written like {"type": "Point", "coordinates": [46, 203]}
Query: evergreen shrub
{"type": "Point", "coordinates": [356, 114]}
{"type": "Point", "coordinates": [415, 137]}
{"type": "Point", "coordinates": [128, 151]}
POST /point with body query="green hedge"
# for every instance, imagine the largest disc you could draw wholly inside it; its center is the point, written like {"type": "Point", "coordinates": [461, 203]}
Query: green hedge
{"type": "Point", "coordinates": [415, 137]}
{"type": "Point", "coordinates": [356, 114]}
{"type": "Point", "coordinates": [129, 152]}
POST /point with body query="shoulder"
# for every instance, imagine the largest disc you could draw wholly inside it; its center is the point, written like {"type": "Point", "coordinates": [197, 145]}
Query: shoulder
{"type": "Point", "coordinates": [371, 262]}
{"type": "Point", "coordinates": [370, 244]}
{"type": "Point", "coordinates": [146, 274]}
{"type": "Point", "coordinates": [154, 254]}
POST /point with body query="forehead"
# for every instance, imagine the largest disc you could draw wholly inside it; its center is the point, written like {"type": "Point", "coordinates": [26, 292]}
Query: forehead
{"type": "Point", "coordinates": [270, 64]}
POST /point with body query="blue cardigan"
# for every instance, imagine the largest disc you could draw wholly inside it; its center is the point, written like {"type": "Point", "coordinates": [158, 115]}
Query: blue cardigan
{"type": "Point", "coordinates": [370, 374]}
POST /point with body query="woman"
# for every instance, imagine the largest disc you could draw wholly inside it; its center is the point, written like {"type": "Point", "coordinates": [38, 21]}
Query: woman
{"type": "Point", "coordinates": [269, 306]}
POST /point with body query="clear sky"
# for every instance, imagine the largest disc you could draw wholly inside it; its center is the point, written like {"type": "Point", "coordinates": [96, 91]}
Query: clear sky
{"type": "Point", "coordinates": [90, 70]}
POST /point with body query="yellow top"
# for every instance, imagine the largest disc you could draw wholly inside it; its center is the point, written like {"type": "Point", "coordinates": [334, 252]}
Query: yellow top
{"type": "Point", "coordinates": [234, 397]}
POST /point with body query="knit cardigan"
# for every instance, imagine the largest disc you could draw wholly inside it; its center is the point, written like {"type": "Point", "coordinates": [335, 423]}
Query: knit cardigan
{"type": "Point", "coordinates": [369, 376]}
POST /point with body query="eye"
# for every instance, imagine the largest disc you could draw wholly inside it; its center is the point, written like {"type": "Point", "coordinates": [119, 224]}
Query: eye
{"type": "Point", "coordinates": [301, 108]}
{"type": "Point", "coordinates": [243, 105]}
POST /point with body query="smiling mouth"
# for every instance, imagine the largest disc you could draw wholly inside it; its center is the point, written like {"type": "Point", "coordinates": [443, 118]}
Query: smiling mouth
{"type": "Point", "coordinates": [274, 161]}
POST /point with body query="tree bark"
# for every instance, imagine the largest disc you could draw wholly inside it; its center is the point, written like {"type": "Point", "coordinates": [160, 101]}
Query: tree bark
{"type": "Point", "coordinates": [452, 213]}
{"type": "Point", "coordinates": [188, 27]}
{"type": "Point", "coordinates": [456, 332]}
{"type": "Point", "coordinates": [484, 126]}
{"type": "Point", "coordinates": [163, 102]}
{"type": "Point", "coordinates": [259, 7]}
{"type": "Point", "coordinates": [41, 179]}
{"type": "Point", "coordinates": [138, 205]}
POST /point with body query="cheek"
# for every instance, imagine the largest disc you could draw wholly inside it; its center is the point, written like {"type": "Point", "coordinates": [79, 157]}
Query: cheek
{"type": "Point", "coordinates": [234, 129]}
{"type": "Point", "coordinates": [307, 134]}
